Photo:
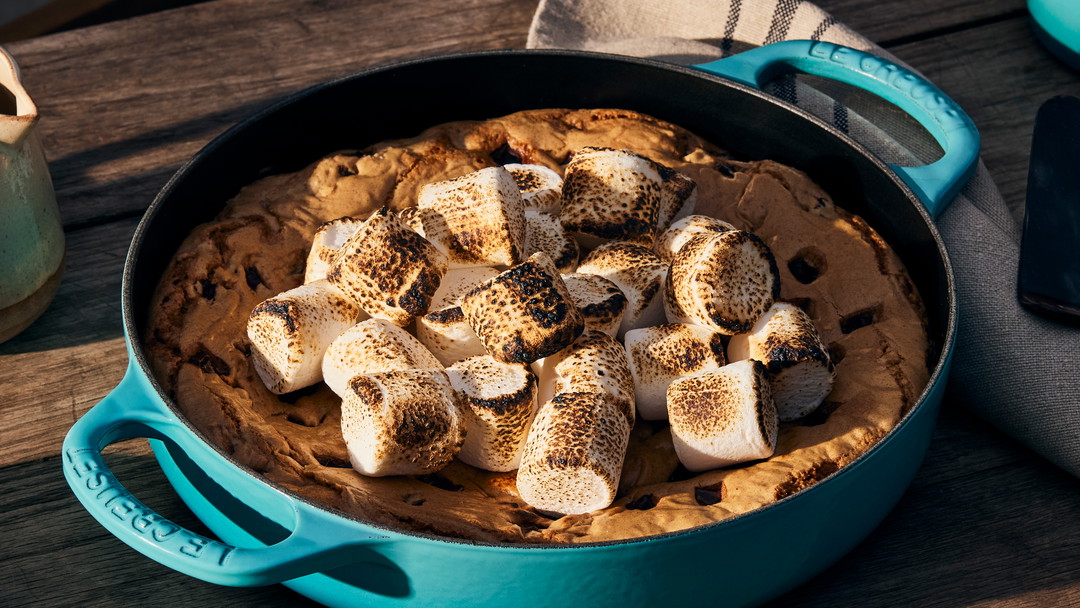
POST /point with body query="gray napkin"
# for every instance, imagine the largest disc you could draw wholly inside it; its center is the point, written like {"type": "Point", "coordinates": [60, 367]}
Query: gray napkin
{"type": "Point", "coordinates": [1014, 369]}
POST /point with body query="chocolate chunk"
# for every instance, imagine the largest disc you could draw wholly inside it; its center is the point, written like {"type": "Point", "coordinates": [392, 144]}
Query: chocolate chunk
{"type": "Point", "coordinates": [711, 494]}
{"type": "Point", "coordinates": [333, 462]}
{"type": "Point", "coordinates": [253, 278]}
{"type": "Point", "coordinates": [505, 155]}
{"type": "Point", "coordinates": [210, 363]}
{"type": "Point", "coordinates": [859, 319]}
{"type": "Point", "coordinates": [440, 482]}
{"type": "Point", "coordinates": [207, 289]}
{"type": "Point", "coordinates": [642, 503]}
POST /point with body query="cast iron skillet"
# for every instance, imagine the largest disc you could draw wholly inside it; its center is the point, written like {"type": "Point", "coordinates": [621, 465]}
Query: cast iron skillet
{"type": "Point", "coordinates": [270, 535]}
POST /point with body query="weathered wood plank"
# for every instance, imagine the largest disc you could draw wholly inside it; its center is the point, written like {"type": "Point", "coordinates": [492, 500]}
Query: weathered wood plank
{"type": "Point", "coordinates": [47, 532]}
{"type": "Point", "coordinates": [124, 104]}
{"type": "Point", "coordinates": [915, 18]}
{"type": "Point", "coordinates": [72, 355]}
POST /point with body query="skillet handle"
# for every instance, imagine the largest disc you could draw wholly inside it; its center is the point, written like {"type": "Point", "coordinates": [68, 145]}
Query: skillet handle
{"type": "Point", "coordinates": [316, 543]}
{"type": "Point", "coordinates": [935, 184]}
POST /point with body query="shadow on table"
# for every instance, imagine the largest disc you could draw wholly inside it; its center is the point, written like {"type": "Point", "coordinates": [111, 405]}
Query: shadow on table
{"type": "Point", "coordinates": [982, 522]}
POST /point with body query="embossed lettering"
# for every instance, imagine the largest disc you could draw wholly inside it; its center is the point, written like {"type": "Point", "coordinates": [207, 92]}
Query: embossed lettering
{"type": "Point", "coordinates": [143, 521]}
{"type": "Point", "coordinates": [819, 49]}
{"type": "Point", "coordinates": [123, 508]}
{"type": "Point", "coordinates": [164, 530]}
{"type": "Point", "coordinates": [194, 546]}
{"type": "Point", "coordinates": [110, 493]}
{"type": "Point", "coordinates": [98, 479]}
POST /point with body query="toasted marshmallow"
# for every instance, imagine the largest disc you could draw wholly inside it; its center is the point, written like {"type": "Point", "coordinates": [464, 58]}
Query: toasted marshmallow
{"type": "Point", "coordinates": [640, 275]}
{"type": "Point", "coordinates": [594, 363]}
{"type": "Point", "coordinates": [663, 354]}
{"type": "Point", "coordinates": [723, 417]}
{"type": "Point", "coordinates": [682, 230]}
{"type": "Point", "coordinates": [678, 197]}
{"type": "Point", "coordinates": [402, 422]}
{"type": "Point", "coordinates": [413, 218]}
{"type": "Point", "coordinates": [370, 347]}
{"type": "Point", "coordinates": [525, 313]}
{"type": "Point", "coordinates": [724, 280]}
{"type": "Point", "coordinates": [478, 219]}
{"type": "Point", "coordinates": [611, 195]}
{"type": "Point", "coordinates": [574, 454]}
{"type": "Point", "coordinates": [457, 282]}
{"type": "Point", "coordinates": [600, 301]}
{"type": "Point", "coordinates": [448, 335]}
{"type": "Point", "coordinates": [444, 330]}
{"type": "Point", "coordinates": [389, 270]}
{"type": "Point", "coordinates": [785, 340]}
{"type": "Point", "coordinates": [498, 401]}
{"type": "Point", "coordinates": [327, 241]}
{"type": "Point", "coordinates": [290, 332]}
{"type": "Point", "coordinates": [545, 233]}
{"type": "Point", "coordinates": [540, 187]}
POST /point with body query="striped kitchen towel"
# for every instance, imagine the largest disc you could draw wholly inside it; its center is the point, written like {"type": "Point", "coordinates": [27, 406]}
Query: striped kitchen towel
{"type": "Point", "coordinates": [1015, 369]}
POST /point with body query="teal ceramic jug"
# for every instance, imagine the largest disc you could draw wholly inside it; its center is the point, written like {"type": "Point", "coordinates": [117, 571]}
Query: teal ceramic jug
{"type": "Point", "coordinates": [31, 238]}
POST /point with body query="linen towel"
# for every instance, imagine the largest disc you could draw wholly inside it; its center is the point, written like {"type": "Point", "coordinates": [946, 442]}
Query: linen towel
{"type": "Point", "coordinates": [1015, 369]}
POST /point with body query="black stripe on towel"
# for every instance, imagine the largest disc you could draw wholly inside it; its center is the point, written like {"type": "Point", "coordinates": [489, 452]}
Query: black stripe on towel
{"type": "Point", "coordinates": [782, 17]}
{"type": "Point", "coordinates": [840, 116]}
{"type": "Point", "coordinates": [823, 27]}
{"type": "Point", "coordinates": [729, 27]}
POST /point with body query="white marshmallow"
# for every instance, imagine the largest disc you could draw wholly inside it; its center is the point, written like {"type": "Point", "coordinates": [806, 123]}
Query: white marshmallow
{"type": "Point", "coordinates": [545, 233]}
{"type": "Point", "coordinates": [448, 335]}
{"type": "Point", "coordinates": [524, 313]}
{"type": "Point", "coordinates": [678, 197]}
{"type": "Point", "coordinates": [594, 363]}
{"type": "Point", "coordinates": [682, 230]}
{"type": "Point", "coordinates": [640, 275]}
{"type": "Point", "coordinates": [389, 270]}
{"type": "Point", "coordinates": [723, 417]}
{"type": "Point", "coordinates": [600, 301]}
{"type": "Point", "coordinates": [611, 195]}
{"type": "Point", "coordinates": [290, 332]}
{"type": "Point", "coordinates": [574, 454]}
{"type": "Point", "coordinates": [540, 187]}
{"type": "Point", "coordinates": [478, 219]}
{"type": "Point", "coordinates": [498, 401]}
{"type": "Point", "coordinates": [325, 245]}
{"type": "Point", "coordinates": [373, 346]}
{"type": "Point", "coordinates": [663, 354]}
{"type": "Point", "coordinates": [785, 340]}
{"type": "Point", "coordinates": [402, 422]}
{"type": "Point", "coordinates": [722, 280]}
{"type": "Point", "coordinates": [457, 282]}
{"type": "Point", "coordinates": [444, 330]}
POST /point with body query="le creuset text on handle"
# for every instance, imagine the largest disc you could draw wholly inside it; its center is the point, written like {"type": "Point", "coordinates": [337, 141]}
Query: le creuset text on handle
{"type": "Point", "coordinates": [319, 540]}
{"type": "Point", "coordinates": [936, 183]}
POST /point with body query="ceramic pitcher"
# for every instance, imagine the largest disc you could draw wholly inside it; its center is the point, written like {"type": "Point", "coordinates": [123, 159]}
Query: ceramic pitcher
{"type": "Point", "coordinates": [31, 239]}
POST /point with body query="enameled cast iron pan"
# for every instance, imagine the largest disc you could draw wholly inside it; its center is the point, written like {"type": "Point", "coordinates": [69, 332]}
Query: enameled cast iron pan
{"type": "Point", "coordinates": [269, 535]}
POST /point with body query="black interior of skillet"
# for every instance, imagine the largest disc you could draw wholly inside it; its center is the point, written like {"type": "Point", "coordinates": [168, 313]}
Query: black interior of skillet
{"type": "Point", "coordinates": [403, 100]}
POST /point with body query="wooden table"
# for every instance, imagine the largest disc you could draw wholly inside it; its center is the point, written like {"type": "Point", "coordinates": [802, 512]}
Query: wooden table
{"type": "Point", "coordinates": [986, 523]}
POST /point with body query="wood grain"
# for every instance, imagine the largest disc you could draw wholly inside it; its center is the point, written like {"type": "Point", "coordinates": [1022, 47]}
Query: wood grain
{"type": "Point", "coordinates": [136, 98]}
{"type": "Point", "coordinates": [918, 18]}
{"type": "Point", "coordinates": [986, 522]}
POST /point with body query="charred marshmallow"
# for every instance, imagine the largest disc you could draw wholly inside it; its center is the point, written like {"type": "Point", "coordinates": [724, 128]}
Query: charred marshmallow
{"type": "Point", "coordinates": [290, 332]}
{"type": "Point", "coordinates": [787, 343]}
{"type": "Point", "coordinates": [389, 270]}
{"type": "Point", "coordinates": [723, 417]}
